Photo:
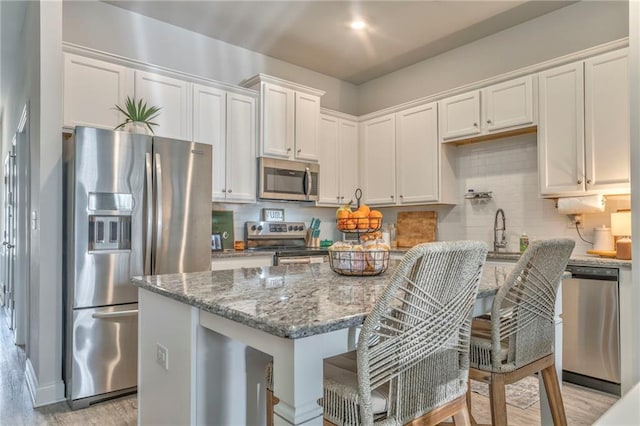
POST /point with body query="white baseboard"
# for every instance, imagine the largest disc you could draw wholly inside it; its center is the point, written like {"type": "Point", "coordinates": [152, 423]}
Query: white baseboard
{"type": "Point", "coordinates": [43, 394]}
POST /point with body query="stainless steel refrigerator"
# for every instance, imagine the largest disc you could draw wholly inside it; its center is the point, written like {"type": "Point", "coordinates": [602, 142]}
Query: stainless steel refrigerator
{"type": "Point", "coordinates": [134, 205]}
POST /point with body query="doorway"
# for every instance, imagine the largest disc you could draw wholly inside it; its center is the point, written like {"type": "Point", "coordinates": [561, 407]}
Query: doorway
{"type": "Point", "coordinates": [14, 253]}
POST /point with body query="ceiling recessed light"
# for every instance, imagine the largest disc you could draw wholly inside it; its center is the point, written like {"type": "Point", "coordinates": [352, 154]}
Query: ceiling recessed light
{"type": "Point", "coordinates": [358, 25]}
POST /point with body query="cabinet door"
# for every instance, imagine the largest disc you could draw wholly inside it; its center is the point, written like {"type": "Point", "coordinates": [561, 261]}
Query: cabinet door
{"type": "Point", "coordinates": [607, 148]}
{"type": "Point", "coordinates": [561, 130]}
{"type": "Point", "coordinates": [173, 97]}
{"type": "Point", "coordinates": [508, 105]}
{"type": "Point", "coordinates": [460, 116]}
{"type": "Point", "coordinates": [329, 156]}
{"type": "Point", "coordinates": [209, 126]}
{"type": "Point", "coordinates": [306, 128]}
{"type": "Point", "coordinates": [278, 116]}
{"type": "Point", "coordinates": [379, 160]}
{"type": "Point", "coordinates": [348, 157]}
{"type": "Point", "coordinates": [92, 88]}
{"type": "Point", "coordinates": [417, 154]}
{"type": "Point", "coordinates": [241, 143]}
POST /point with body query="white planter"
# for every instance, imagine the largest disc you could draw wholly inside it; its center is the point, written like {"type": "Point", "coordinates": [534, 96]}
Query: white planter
{"type": "Point", "coordinates": [136, 127]}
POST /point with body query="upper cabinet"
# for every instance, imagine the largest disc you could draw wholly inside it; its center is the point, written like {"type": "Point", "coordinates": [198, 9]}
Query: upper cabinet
{"type": "Point", "coordinates": [402, 161]}
{"type": "Point", "coordinates": [338, 159]}
{"type": "Point", "coordinates": [226, 121]}
{"type": "Point", "coordinates": [378, 160]}
{"type": "Point", "coordinates": [607, 144]}
{"type": "Point", "coordinates": [498, 108]}
{"type": "Point", "coordinates": [583, 134]}
{"type": "Point", "coordinates": [289, 118]}
{"type": "Point", "coordinates": [173, 96]}
{"type": "Point", "coordinates": [91, 90]}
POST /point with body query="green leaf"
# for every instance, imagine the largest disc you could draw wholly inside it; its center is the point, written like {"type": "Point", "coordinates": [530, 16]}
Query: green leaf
{"type": "Point", "coordinates": [139, 112]}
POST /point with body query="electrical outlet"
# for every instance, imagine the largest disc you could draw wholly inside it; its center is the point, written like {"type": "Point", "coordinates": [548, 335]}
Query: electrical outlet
{"type": "Point", "coordinates": [571, 223]}
{"type": "Point", "coordinates": [162, 356]}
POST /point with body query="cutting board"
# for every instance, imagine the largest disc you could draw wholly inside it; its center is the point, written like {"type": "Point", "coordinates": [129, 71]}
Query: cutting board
{"type": "Point", "coordinates": [416, 227]}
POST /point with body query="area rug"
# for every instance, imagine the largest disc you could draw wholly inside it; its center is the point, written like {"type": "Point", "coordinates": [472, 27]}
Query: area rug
{"type": "Point", "coordinates": [522, 394]}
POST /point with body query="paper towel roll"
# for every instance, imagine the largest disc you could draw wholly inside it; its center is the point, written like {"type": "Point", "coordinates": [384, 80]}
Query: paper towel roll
{"type": "Point", "coordinates": [578, 205]}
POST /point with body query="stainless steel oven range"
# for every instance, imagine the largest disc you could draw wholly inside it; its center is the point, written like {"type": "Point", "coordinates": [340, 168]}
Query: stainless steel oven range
{"type": "Point", "coordinates": [286, 239]}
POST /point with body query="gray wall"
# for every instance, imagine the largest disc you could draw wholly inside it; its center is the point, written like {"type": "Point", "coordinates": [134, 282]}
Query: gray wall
{"type": "Point", "coordinates": [110, 29]}
{"type": "Point", "coordinates": [558, 33]}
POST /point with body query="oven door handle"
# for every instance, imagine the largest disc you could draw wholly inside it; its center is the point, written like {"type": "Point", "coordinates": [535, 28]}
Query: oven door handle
{"type": "Point", "coordinates": [294, 261]}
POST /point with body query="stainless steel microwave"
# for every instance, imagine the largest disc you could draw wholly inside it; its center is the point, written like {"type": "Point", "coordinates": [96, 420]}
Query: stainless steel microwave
{"type": "Point", "coordinates": [287, 180]}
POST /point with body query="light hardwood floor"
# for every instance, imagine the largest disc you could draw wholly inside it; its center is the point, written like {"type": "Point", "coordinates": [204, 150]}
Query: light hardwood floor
{"type": "Point", "coordinates": [582, 406]}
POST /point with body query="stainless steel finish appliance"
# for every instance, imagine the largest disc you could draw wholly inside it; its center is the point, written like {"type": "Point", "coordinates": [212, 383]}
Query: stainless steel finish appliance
{"type": "Point", "coordinates": [134, 205]}
{"type": "Point", "coordinates": [286, 239]}
{"type": "Point", "coordinates": [591, 328]}
{"type": "Point", "coordinates": [287, 180]}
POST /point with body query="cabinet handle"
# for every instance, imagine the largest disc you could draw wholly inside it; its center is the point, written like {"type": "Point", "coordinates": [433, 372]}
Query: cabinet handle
{"type": "Point", "coordinates": [288, 149]}
{"type": "Point", "coordinates": [488, 121]}
{"type": "Point", "coordinates": [579, 181]}
{"type": "Point", "coordinates": [402, 196]}
{"type": "Point", "coordinates": [224, 190]}
{"type": "Point", "coordinates": [230, 191]}
{"type": "Point", "coordinates": [342, 197]}
{"type": "Point", "coordinates": [588, 181]}
{"type": "Point", "coordinates": [299, 151]}
{"type": "Point", "coordinates": [337, 197]}
{"type": "Point", "coordinates": [392, 197]}
{"type": "Point", "coordinates": [475, 124]}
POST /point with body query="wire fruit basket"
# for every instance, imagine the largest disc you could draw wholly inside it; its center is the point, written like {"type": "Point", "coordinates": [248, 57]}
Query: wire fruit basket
{"type": "Point", "coordinates": [359, 262]}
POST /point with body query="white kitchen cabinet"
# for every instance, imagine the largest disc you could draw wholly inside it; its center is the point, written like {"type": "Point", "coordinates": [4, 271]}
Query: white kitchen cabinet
{"type": "Point", "coordinates": [289, 118]}
{"type": "Point", "coordinates": [498, 108]}
{"type": "Point", "coordinates": [173, 96]}
{"type": "Point", "coordinates": [92, 88]}
{"type": "Point", "coordinates": [222, 263]}
{"type": "Point", "coordinates": [583, 133]}
{"type": "Point", "coordinates": [241, 148]}
{"type": "Point", "coordinates": [338, 160]}
{"type": "Point", "coordinates": [460, 116]}
{"type": "Point", "coordinates": [227, 122]}
{"type": "Point", "coordinates": [561, 130]}
{"type": "Point", "coordinates": [278, 120]}
{"type": "Point", "coordinates": [307, 121]}
{"type": "Point", "coordinates": [606, 101]}
{"type": "Point", "coordinates": [417, 161]}
{"type": "Point", "coordinates": [378, 160]}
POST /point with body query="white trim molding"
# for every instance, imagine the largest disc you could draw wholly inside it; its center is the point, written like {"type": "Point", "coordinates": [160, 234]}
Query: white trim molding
{"type": "Point", "coordinates": [42, 394]}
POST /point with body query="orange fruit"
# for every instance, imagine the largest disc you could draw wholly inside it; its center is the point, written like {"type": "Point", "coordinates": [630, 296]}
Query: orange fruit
{"type": "Point", "coordinates": [375, 219]}
{"type": "Point", "coordinates": [361, 219]}
{"type": "Point", "coordinates": [364, 209]}
{"type": "Point", "coordinates": [351, 224]}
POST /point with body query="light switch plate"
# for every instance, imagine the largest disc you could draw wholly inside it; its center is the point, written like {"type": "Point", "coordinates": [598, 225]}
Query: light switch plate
{"type": "Point", "coordinates": [162, 356]}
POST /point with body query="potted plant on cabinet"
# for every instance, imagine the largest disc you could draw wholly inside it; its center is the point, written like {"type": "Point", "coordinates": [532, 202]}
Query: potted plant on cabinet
{"type": "Point", "coordinates": [138, 116]}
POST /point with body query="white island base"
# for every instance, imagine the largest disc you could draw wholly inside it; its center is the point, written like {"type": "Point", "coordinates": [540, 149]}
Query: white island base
{"type": "Point", "coordinates": [213, 379]}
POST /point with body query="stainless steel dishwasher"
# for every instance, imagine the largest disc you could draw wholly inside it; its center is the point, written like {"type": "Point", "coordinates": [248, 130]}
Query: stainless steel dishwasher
{"type": "Point", "coordinates": [591, 328]}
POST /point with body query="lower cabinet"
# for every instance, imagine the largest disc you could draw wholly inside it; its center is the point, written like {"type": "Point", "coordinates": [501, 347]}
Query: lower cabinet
{"type": "Point", "coordinates": [235, 262]}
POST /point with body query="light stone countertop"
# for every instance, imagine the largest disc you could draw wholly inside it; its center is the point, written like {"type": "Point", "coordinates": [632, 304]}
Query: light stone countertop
{"type": "Point", "coordinates": [291, 301]}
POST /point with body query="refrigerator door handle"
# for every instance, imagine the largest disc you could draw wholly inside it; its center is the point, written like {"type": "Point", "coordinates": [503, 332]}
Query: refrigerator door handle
{"type": "Point", "coordinates": [158, 182]}
{"type": "Point", "coordinates": [118, 314]}
{"type": "Point", "coordinates": [149, 188]}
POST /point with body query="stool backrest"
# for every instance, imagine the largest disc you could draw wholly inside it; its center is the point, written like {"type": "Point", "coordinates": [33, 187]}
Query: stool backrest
{"type": "Point", "coordinates": [523, 311]}
{"type": "Point", "coordinates": [416, 339]}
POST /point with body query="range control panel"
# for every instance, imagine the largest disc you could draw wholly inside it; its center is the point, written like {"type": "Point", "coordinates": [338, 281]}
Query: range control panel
{"type": "Point", "coordinates": [275, 230]}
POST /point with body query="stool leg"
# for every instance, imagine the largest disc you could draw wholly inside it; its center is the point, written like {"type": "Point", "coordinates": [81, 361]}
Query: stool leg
{"type": "Point", "coordinates": [554, 395]}
{"type": "Point", "coordinates": [461, 417]}
{"type": "Point", "coordinates": [471, 418]}
{"type": "Point", "coordinates": [498, 400]}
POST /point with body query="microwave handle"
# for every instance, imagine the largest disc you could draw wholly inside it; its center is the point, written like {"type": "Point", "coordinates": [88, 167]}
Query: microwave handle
{"type": "Point", "coordinates": [307, 182]}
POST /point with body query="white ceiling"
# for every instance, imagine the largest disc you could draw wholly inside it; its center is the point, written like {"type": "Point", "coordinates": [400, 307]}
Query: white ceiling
{"type": "Point", "coordinates": [316, 34]}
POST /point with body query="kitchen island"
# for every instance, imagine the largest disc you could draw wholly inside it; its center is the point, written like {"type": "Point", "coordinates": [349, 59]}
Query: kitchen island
{"type": "Point", "coordinates": [194, 367]}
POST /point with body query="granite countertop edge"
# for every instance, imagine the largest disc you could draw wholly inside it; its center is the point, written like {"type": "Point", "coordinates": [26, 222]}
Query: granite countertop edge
{"type": "Point", "coordinates": [225, 254]}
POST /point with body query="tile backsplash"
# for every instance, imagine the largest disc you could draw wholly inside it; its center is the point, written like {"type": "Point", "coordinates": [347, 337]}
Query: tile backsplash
{"type": "Point", "coordinates": [506, 167]}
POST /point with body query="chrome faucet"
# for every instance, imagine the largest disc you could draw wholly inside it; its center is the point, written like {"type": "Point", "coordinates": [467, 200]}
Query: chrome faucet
{"type": "Point", "coordinates": [503, 241]}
